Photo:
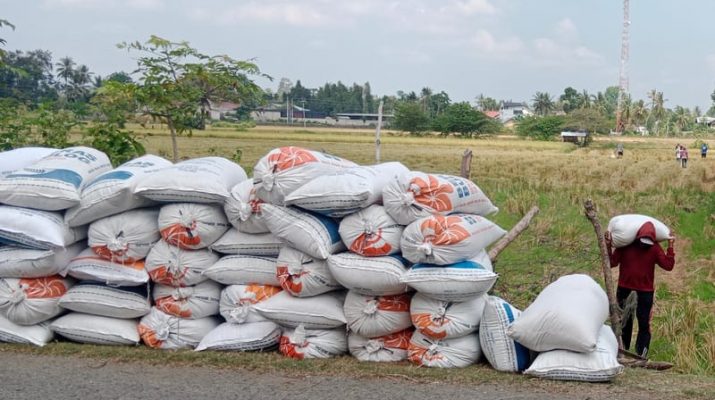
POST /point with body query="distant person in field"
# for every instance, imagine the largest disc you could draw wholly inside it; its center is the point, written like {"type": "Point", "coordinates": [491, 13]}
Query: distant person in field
{"type": "Point", "coordinates": [703, 150]}
{"type": "Point", "coordinates": [677, 153]}
{"type": "Point", "coordinates": [683, 156]}
{"type": "Point", "coordinates": [619, 150]}
{"type": "Point", "coordinates": [637, 263]}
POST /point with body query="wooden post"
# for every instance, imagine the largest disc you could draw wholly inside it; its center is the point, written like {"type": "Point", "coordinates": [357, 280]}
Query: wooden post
{"type": "Point", "coordinates": [466, 171]}
{"type": "Point", "coordinates": [512, 234]}
{"type": "Point", "coordinates": [377, 133]}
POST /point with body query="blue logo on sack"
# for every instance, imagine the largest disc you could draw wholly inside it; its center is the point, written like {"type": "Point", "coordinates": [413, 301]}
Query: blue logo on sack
{"type": "Point", "coordinates": [114, 175]}
{"type": "Point", "coordinates": [62, 175]}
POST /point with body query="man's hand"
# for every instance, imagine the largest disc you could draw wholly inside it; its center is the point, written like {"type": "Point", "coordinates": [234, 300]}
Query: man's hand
{"type": "Point", "coordinates": [671, 239]}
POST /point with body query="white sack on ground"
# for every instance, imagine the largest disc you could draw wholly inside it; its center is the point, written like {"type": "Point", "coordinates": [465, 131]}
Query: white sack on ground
{"type": "Point", "coordinates": [95, 329]}
{"type": "Point", "coordinates": [30, 301]}
{"type": "Point", "coordinates": [258, 244]}
{"type": "Point", "coordinates": [371, 232]}
{"type": "Point", "coordinates": [163, 331]}
{"type": "Point", "coordinates": [502, 352]}
{"type": "Point", "coordinates": [566, 315]}
{"type": "Point", "coordinates": [624, 228]}
{"type": "Point", "coordinates": [243, 209]}
{"type": "Point", "coordinates": [302, 275]}
{"type": "Point", "coordinates": [237, 302]}
{"type": "Point", "coordinates": [20, 262]}
{"type": "Point", "coordinates": [37, 229]}
{"type": "Point", "coordinates": [12, 160]}
{"type": "Point", "coordinates": [448, 353]}
{"type": "Point", "coordinates": [446, 319]}
{"type": "Point", "coordinates": [251, 336]}
{"type": "Point", "coordinates": [324, 311]}
{"type": "Point", "coordinates": [313, 234]}
{"type": "Point", "coordinates": [173, 266]}
{"type": "Point", "coordinates": [38, 335]}
{"type": "Point", "coordinates": [192, 226]}
{"type": "Point", "coordinates": [243, 270]}
{"type": "Point", "coordinates": [89, 266]}
{"type": "Point", "coordinates": [373, 316]}
{"type": "Point", "coordinates": [372, 276]}
{"type": "Point", "coordinates": [388, 348]}
{"type": "Point", "coordinates": [193, 302]}
{"type": "Point", "coordinates": [108, 301]}
{"type": "Point", "coordinates": [125, 237]}
{"type": "Point", "coordinates": [303, 343]}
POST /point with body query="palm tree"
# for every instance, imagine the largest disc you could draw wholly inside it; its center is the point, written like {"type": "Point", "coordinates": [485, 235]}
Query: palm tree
{"type": "Point", "coordinates": [65, 68]}
{"type": "Point", "coordinates": [543, 103]}
{"type": "Point", "coordinates": [657, 107]}
{"type": "Point", "coordinates": [639, 113]}
{"type": "Point", "coordinates": [425, 95]}
{"type": "Point", "coordinates": [682, 118]}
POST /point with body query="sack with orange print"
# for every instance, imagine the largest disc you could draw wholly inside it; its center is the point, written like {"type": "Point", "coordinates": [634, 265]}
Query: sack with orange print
{"type": "Point", "coordinates": [371, 232]}
{"type": "Point", "coordinates": [250, 244]}
{"type": "Point", "coordinates": [446, 353]}
{"type": "Point", "coordinates": [301, 343]}
{"type": "Point", "coordinates": [91, 267]}
{"type": "Point", "coordinates": [191, 302]}
{"type": "Point", "coordinates": [172, 266]}
{"type": "Point", "coordinates": [38, 335]}
{"type": "Point", "coordinates": [163, 331]}
{"type": "Point", "coordinates": [372, 276]}
{"type": "Point", "coordinates": [243, 270]}
{"type": "Point", "coordinates": [285, 169]}
{"type": "Point", "coordinates": [237, 302]}
{"type": "Point", "coordinates": [324, 311]}
{"type": "Point", "coordinates": [311, 233]}
{"type": "Point", "coordinates": [37, 229]}
{"type": "Point", "coordinates": [108, 301]}
{"type": "Point", "coordinates": [125, 237]}
{"type": "Point", "coordinates": [192, 226]}
{"type": "Point", "coordinates": [243, 209]}
{"type": "Point", "coordinates": [388, 348]}
{"type": "Point", "coordinates": [21, 262]}
{"type": "Point", "coordinates": [373, 316]}
{"type": "Point", "coordinates": [29, 301]}
{"type": "Point", "coordinates": [446, 319]}
{"type": "Point", "coordinates": [96, 329]}
{"type": "Point", "coordinates": [252, 336]}
{"type": "Point", "coordinates": [443, 240]}
{"type": "Point", "coordinates": [302, 275]}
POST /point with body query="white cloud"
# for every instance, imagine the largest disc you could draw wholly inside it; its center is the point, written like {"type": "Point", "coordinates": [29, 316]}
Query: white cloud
{"type": "Point", "coordinates": [132, 4]}
{"type": "Point", "coordinates": [566, 28]}
{"type": "Point", "coordinates": [484, 41]}
{"type": "Point", "coordinates": [471, 7]}
{"type": "Point", "coordinates": [548, 52]}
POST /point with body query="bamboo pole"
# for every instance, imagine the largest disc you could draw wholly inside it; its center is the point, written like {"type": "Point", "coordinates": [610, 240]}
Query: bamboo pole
{"type": "Point", "coordinates": [513, 233]}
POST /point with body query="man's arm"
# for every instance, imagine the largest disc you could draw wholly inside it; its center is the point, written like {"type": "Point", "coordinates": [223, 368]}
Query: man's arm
{"type": "Point", "coordinates": [666, 260]}
{"type": "Point", "coordinates": [614, 256]}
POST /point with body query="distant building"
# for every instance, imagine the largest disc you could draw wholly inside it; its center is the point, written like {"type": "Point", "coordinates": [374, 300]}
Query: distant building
{"type": "Point", "coordinates": [510, 110]}
{"type": "Point", "coordinates": [578, 137]}
{"type": "Point", "coordinates": [492, 114]}
{"type": "Point", "coordinates": [218, 110]}
{"type": "Point", "coordinates": [709, 121]}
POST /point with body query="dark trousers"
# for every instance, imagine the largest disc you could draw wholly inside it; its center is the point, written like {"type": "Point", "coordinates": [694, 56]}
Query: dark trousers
{"type": "Point", "coordinates": [643, 314]}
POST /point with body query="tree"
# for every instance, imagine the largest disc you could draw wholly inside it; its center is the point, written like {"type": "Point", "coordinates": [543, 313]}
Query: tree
{"type": "Point", "coordinates": [284, 87]}
{"type": "Point", "coordinates": [543, 103]}
{"type": "Point", "coordinates": [587, 119]}
{"type": "Point", "coordinates": [121, 77]}
{"type": "Point", "coordinates": [487, 103]}
{"type": "Point", "coordinates": [65, 69]}
{"type": "Point", "coordinates": [409, 117]}
{"type": "Point", "coordinates": [540, 128]}
{"type": "Point", "coordinates": [571, 100]}
{"type": "Point", "coordinates": [462, 118]}
{"type": "Point", "coordinates": [4, 22]}
{"type": "Point", "coordinates": [711, 111]}
{"type": "Point", "coordinates": [27, 77]}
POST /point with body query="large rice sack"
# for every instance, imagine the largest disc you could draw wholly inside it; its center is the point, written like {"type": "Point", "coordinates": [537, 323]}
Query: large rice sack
{"type": "Point", "coordinates": [416, 195]}
{"type": "Point", "coordinates": [37, 229]}
{"type": "Point", "coordinates": [447, 353]}
{"type": "Point", "coordinates": [243, 208]}
{"type": "Point", "coordinates": [371, 232]}
{"type": "Point", "coordinates": [624, 228]}
{"type": "Point", "coordinates": [371, 276]}
{"type": "Point", "coordinates": [251, 336]}
{"type": "Point", "coordinates": [285, 169]}
{"type": "Point", "coordinates": [113, 192]}
{"type": "Point", "coordinates": [346, 191]}
{"type": "Point", "coordinates": [303, 276]}
{"type": "Point", "coordinates": [443, 240]}
{"type": "Point", "coordinates": [259, 244]}
{"type": "Point", "coordinates": [54, 182]}
{"type": "Point", "coordinates": [95, 298]}
{"type": "Point", "coordinates": [12, 160]}
{"type": "Point", "coordinates": [238, 301]}
{"type": "Point", "coordinates": [125, 237]}
{"type": "Point", "coordinates": [191, 302]}
{"type": "Point", "coordinates": [324, 311]}
{"type": "Point", "coordinates": [192, 226]}
{"type": "Point", "coordinates": [30, 301]}
{"type": "Point", "coordinates": [38, 335]}
{"type": "Point", "coordinates": [372, 316]}
{"type": "Point", "coordinates": [243, 270]}
{"type": "Point", "coordinates": [20, 262]}
{"type": "Point", "coordinates": [91, 267]}
{"type": "Point", "coordinates": [600, 365]}
{"type": "Point", "coordinates": [301, 343]}
{"type": "Point", "coordinates": [388, 348]}
{"type": "Point", "coordinates": [566, 315]}
{"type": "Point", "coordinates": [172, 266]}
{"type": "Point", "coordinates": [445, 319]}
{"type": "Point", "coordinates": [95, 329]}
{"type": "Point", "coordinates": [163, 331]}
{"type": "Point", "coordinates": [502, 352]}
{"type": "Point", "coordinates": [313, 234]}
{"type": "Point", "coordinates": [199, 180]}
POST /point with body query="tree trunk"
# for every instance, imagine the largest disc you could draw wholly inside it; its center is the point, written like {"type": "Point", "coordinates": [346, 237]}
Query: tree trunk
{"type": "Point", "coordinates": [174, 145]}
{"type": "Point", "coordinates": [513, 234]}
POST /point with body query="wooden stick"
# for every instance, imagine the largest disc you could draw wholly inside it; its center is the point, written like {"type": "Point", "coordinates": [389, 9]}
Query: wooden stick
{"type": "Point", "coordinates": [466, 170]}
{"type": "Point", "coordinates": [513, 233]}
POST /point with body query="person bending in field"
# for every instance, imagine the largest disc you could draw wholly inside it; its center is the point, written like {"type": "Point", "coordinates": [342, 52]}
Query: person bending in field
{"type": "Point", "coordinates": [703, 150]}
{"type": "Point", "coordinates": [637, 263]}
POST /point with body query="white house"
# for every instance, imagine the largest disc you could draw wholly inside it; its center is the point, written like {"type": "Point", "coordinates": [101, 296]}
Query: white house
{"type": "Point", "coordinates": [220, 109]}
{"type": "Point", "coordinates": [509, 110]}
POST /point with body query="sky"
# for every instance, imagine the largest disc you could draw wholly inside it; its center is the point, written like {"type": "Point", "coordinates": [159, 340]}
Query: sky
{"type": "Point", "coordinates": [506, 49]}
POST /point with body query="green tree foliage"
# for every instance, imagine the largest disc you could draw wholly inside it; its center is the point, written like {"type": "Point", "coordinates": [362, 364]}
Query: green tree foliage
{"type": "Point", "coordinates": [4, 22]}
{"type": "Point", "coordinates": [487, 103]}
{"type": "Point", "coordinates": [462, 118]}
{"type": "Point", "coordinates": [27, 77]}
{"type": "Point", "coordinates": [410, 117]}
{"type": "Point", "coordinates": [120, 145]}
{"type": "Point", "coordinates": [588, 119]}
{"type": "Point", "coordinates": [572, 100]}
{"type": "Point", "coordinates": [540, 128]}
{"type": "Point", "coordinates": [543, 103]}
{"type": "Point", "coordinates": [120, 76]}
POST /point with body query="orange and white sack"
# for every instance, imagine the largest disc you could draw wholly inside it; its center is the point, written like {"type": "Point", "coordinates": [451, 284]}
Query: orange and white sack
{"type": "Point", "coordinates": [96, 298]}
{"type": "Point", "coordinates": [302, 343]}
{"type": "Point", "coordinates": [313, 234]}
{"type": "Point", "coordinates": [372, 276]}
{"type": "Point", "coordinates": [447, 353]}
{"type": "Point", "coordinates": [302, 276]}
{"type": "Point", "coordinates": [415, 195]}
{"type": "Point", "coordinates": [125, 237]}
{"type": "Point", "coordinates": [502, 352]}
{"type": "Point", "coordinates": [439, 319]}
{"type": "Point", "coordinates": [371, 232]}
{"type": "Point", "coordinates": [38, 335]}
{"type": "Point", "coordinates": [29, 301]}
{"type": "Point", "coordinates": [163, 331]}
{"type": "Point", "coordinates": [237, 302]}
{"type": "Point", "coordinates": [95, 329]}
{"type": "Point", "coordinates": [113, 192]}
{"type": "Point", "coordinates": [624, 228]}
{"type": "Point", "coordinates": [373, 316]}
{"type": "Point", "coordinates": [324, 311]}
{"type": "Point", "coordinates": [252, 244]}
{"type": "Point", "coordinates": [346, 191]}
{"type": "Point", "coordinates": [443, 240]}
{"type": "Point", "coordinates": [172, 266]}
{"type": "Point", "coordinates": [192, 226]}
{"type": "Point", "coordinates": [12, 160]}
{"type": "Point", "coordinates": [37, 229]}
{"type": "Point", "coordinates": [89, 266]}
{"type": "Point", "coordinates": [243, 209]}
{"type": "Point", "coordinates": [192, 302]}
{"type": "Point", "coordinates": [243, 270]}
{"type": "Point", "coordinates": [285, 169]}
{"type": "Point", "coordinates": [252, 336]}
{"type": "Point", "coordinates": [20, 262]}
{"type": "Point", "coordinates": [388, 348]}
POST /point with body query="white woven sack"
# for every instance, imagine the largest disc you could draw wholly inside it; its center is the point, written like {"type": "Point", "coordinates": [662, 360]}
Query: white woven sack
{"type": "Point", "coordinates": [443, 240]}
{"type": "Point", "coordinates": [455, 282]}
{"type": "Point", "coordinates": [95, 329]}
{"type": "Point", "coordinates": [324, 311]}
{"type": "Point", "coordinates": [19, 262]}
{"type": "Point", "coordinates": [388, 348]}
{"type": "Point", "coordinates": [313, 234]}
{"type": "Point", "coordinates": [125, 237]}
{"type": "Point", "coordinates": [285, 169]}
{"type": "Point", "coordinates": [89, 266]}
{"type": "Point", "coordinates": [302, 343]}
{"type": "Point", "coordinates": [416, 195]}
{"type": "Point", "coordinates": [346, 191]}
{"type": "Point", "coordinates": [600, 365]}
{"type": "Point", "coordinates": [15, 159]}
{"type": "Point", "coordinates": [302, 275]}
{"type": "Point", "coordinates": [192, 226]}
{"type": "Point", "coordinates": [243, 209]}
{"type": "Point", "coordinates": [624, 228]}
{"type": "Point", "coordinates": [448, 353]}
{"type": "Point", "coordinates": [37, 229]}
{"type": "Point", "coordinates": [163, 331]}
{"type": "Point", "coordinates": [373, 316]}
{"type": "Point", "coordinates": [446, 319]}
{"type": "Point", "coordinates": [115, 302]}
{"type": "Point", "coordinates": [30, 301]}
{"type": "Point", "coordinates": [502, 352]}
{"type": "Point", "coordinates": [251, 244]}
{"type": "Point", "coordinates": [371, 232]}
{"type": "Point", "coordinates": [113, 192]}
{"type": "Point", "coordinates": [173, 266]}
{"type": "Point", "coordinates": [251, 336]}
{"type": "Point", "coordinates": [192, 302]}
{"type": "Point", "coordinates": [237, 302]}
{"type": "Point", "coordinates": [243, 270]}
{"type": "Point", "coordinates": [566, 315]}
{"type": "Point", "coordinates": [54, 183]}
{"type": "Point", "coordinates": [38, 335]}
{"type": "Point", "coordinates": [372, 276]}
{"type": "Point", "coordinates": [199, 180]}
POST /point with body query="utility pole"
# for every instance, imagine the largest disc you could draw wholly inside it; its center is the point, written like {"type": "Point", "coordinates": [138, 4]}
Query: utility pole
{"type": "Point", "coordinates": [623, 72]}
{"type": "Point", "coordinates": [303, 113]}
{"type": "Point", "coordinates": [377, 133]}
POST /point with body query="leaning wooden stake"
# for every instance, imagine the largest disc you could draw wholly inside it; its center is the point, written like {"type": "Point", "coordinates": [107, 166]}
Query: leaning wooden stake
{"type": "Point", "coordinates": [466, 170]}
{"type": "Point", "coordinates": [513, 233]}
